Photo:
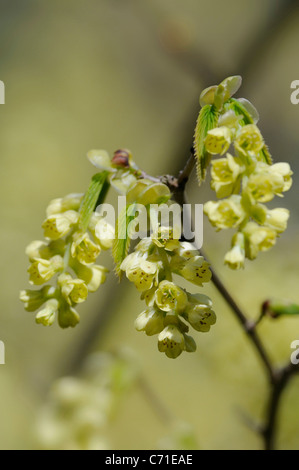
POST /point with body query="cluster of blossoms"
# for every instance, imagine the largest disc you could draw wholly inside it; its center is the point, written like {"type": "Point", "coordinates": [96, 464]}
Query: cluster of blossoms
{"type": "Point", "coordinates": [78, 411]}
{"type": "Point", "coordinates": [170, 308]}
{"type": "Point", "coordinates": [68, 253]}
{"type": "Point", "coordinates": [243, 182]}
{"type": "Point", "coordinates": [156, 259]}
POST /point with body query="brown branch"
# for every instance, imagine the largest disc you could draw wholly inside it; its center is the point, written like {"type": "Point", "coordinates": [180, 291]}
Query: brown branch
{"type": "Point", "coordinates": [278, 378]}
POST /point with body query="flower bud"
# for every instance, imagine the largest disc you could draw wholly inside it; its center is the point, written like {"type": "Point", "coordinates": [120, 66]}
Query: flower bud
{"type": "Point", "coordinates": [235, 258]}
{"type": "Point", "coordinates": [150, 321]}
{"type": "Point", "coordinates": [67, 316]}
{"type": "Point", "coordinates": [122, 159]}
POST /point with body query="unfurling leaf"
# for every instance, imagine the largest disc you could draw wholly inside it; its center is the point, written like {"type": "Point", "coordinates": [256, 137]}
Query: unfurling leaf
{"type": "Point", "coordinates": [122, 240]}
{"type": "Point", "coordinates": [206, 121]}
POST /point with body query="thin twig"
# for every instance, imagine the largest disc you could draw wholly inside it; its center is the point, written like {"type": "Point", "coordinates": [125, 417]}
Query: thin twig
{"type": "Point", "coordinates": [152, 398]}
{"type": "Point", "coordinates": [278, 378]}
{"type": "Point", "coordinates": [248, 325]}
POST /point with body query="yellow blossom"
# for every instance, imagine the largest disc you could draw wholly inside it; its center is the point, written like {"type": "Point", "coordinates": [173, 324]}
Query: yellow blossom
{"type": "Point", "coordinates": [226, 213]}
{"type": "Point", "coordinates": [258, 239]}
{"type": "Point", "coordinates": [58, 225]}
{"type": "Point", "coordinates": [73, 290]}
{"type": "Point", "coordinates": [249, 140]}
{"type": "Point", "coordinates": [151, 321]}
{"type": "Point", "coordinates": [171, 341]}
{"type": "Point", "coordinates": [277, 219]}
{"type": "Point", "coordinates": [169, 297]}
{"type": "Point", "coordinates": [218, 140]}
{"type": "Point", "coordinates": [140, 271]}
{"type": "Point", "coordinates": [42, 270]}
{"type": "Point", "coordinates": [84, 249]}
{"type": "Point", "coordinates": [225, 174]}
{"type": "Point", "coordinates": [47, 315]}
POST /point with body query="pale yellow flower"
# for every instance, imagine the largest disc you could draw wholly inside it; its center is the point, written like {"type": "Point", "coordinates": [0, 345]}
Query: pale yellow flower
{"type": "Point", "coordinates": [225, 174]}
{"type": "Point", "coordinates": [199, 312]}
{"type": "Point", "coordinates": [84, 249]}
{"type": "Point", "coordinates": [41, 270]}
{"type": "Point", "coordinates": [195, 270]}
{"type": "Point", "coordinates": [67, 316]}
{"type": "Point", "coordinates": [249, 140]}
{"type": "Point", "coordinates": [171, 341]}
{"type": "Point", "coordinates": [277, 219]}
{"type": "Point", "coordinates": [151, 321]}
{"type": "Point", "coordinates": [73, 290]}
{"type": "Point", "coordinates": [235, 258]}
{"type": "Point", "coordinates": [69, 202]}
{"type": "Point", "coordinates": [47, 315]}
{"type": "Point", "coordinates": [103, 232]}
{"type": "Point", "coordinates": [267, 181]}
{"type": "Point", "coordinates": [141, 272]}
{"type": "Point", "coordinates": [163, 237]}
{"type": "Point", "coordinates": [258, 239]}
{"type": "Point", "coordinates": [218, 140]}
{"type": "Point", "coordinates": [93, 276]}
{"type": "Point", "coordinates": [34, 299]}
{"type": "Point", "coordinates": [169, 297]}
{"type": "Point", "coordinates": [227, 213]}
{"type": "Point", "coordinates": [58, 225]}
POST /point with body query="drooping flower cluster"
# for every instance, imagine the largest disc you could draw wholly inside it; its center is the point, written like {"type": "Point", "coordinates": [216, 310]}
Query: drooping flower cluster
{"type": "Point", "coordinates": [244, 182]}
{"type": "Point", "coordinates": [170, 308]}
{"type": "Point", "coordinates": [79, 410]}
{"type": "Point", "coordinates": [68, 253]}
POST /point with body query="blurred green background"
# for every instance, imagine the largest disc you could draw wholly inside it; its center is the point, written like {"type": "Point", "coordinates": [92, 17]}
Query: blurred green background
{"type": "Point", "coordinates": [128, 73]}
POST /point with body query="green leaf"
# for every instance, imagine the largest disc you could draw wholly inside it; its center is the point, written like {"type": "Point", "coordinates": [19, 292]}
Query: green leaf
{"type": "Point", "coordinates": [98, 187]}
{"type": "Point", "coordinates": [207, 120]}
{"type": "Point", "coordinates": [266, 155]}
{"type": "Point", "coordinates": [122, 240]}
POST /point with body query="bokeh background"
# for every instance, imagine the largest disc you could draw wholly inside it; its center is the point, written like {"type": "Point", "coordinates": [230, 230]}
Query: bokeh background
{"type": "Point", "coordinates": [125, 73]}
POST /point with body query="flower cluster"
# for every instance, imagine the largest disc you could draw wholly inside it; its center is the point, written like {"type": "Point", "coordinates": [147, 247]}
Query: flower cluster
{"type": "Point", "coordinates": [170, 308]}
{"type": "Point", "coordinates": [68, 253]}
{"type": "Point", "coordinates": [79, 410]}
{"type": "Point", "coordinates": [244, 182]}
